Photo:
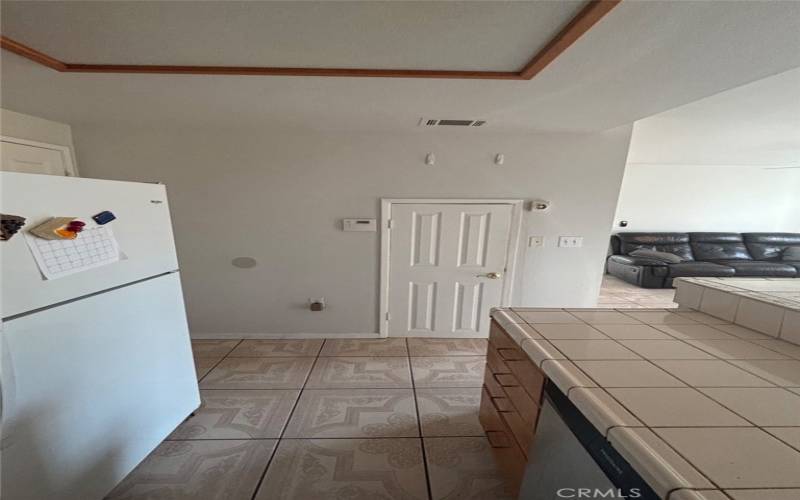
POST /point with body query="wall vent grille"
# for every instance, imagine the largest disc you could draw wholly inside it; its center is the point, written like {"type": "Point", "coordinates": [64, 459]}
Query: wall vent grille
{"type": "Point", "coordinates": [441, 122]}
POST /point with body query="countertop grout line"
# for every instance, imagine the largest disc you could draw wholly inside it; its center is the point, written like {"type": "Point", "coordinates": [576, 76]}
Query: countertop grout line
{"type": "Point", "coordinates": [694, 466]}
{"type": "Point", "coordinates": [690, 386]}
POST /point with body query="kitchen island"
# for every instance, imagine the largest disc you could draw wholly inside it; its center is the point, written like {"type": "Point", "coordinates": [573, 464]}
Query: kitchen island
{"type": "Point", "coordinates": [697, 407]}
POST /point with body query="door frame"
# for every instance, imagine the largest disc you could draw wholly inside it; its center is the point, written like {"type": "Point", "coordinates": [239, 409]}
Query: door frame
{"type": "Point", "coordinates": [511, 252]}
{"type": "Point", "coordinates": [70, 170]}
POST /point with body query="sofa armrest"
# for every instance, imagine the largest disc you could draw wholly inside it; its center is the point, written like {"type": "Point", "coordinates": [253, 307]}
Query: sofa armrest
{"type": "Point", "coordinates": [636, 261]}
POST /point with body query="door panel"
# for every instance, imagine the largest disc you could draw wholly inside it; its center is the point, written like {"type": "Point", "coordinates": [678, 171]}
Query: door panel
{"type": "Point", "coordinates": [31, 159]}
{"type": "Point", "coordinates": [443, 261]}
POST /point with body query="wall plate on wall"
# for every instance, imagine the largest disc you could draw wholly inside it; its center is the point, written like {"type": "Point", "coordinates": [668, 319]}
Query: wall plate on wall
{"type": "Point", "coordinates": [360, 225]}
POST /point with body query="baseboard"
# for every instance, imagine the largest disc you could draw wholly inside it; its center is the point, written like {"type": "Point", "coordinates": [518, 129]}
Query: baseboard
{"type": "Point", "coordinates": [284, 336]}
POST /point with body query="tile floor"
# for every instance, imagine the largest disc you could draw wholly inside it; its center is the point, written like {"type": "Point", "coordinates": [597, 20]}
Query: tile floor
{"type": "Point", "coordinates": [620, 294]}
{"type": "Point", "coordinates": [308, 419]}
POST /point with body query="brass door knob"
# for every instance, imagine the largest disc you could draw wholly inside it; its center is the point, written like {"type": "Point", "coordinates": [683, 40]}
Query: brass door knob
{"type": "Point", "coordinates": [491, 276]}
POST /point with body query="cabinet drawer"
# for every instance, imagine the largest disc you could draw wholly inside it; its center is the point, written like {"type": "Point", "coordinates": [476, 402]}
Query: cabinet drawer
{"type": "Point", "coordinates": [500, 439]}
{"type": "Point", "coordinates": [506, 379]}
{"type": "Point", "coordinates": [508, 354]}
{"type": "Point", "coordinates": [492, 386]}
{"type": "Point", "coordinates": [523, 403]}
{"type": "Point", "coordinates": [499, 338]}
{"type": "Point", "coordinates": [529, 377]}
{"type": "Point", "coordinates": [495, 362]}
{"type": "Point", "coordinates": [488, 414]}
{"type": "Point", "coordinates": [503, 404]}
{"type": "Point", "coordinates": [522, 431]}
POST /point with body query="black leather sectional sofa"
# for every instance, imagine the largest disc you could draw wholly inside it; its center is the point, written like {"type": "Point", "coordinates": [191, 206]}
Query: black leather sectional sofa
{"type": "Point", "coordinates": [703, 254]}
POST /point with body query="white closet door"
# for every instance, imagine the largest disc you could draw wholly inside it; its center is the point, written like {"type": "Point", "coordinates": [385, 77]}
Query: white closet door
{"type": "Point", "coordinates": [30, 159]}
{"type": "Point", "coordinates": [447, 267]}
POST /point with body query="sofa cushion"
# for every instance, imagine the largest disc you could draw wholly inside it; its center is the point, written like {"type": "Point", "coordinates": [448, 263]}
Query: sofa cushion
{"type": "Point", "coordinates": [718, 246]}
{"type": "Point", "coordinates": [790, 254]}
{"type": "Point", "coordinates": [631, 260]}
{"type": "Point", "coordinates": [794, 263]}
{"type": "Point", "coordinates": [771, 246]}
{"type": "Point", "coordinates": [760, 268]}
{"type": "Point", "coordinates": [706, 269]}
{"type": "Point", "coordinates": [669, 258]}
{"type": "Point", "coordinates": [675, 243]}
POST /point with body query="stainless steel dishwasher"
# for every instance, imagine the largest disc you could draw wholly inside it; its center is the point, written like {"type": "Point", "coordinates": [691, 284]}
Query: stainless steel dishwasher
{"type": "Point", "coordinates": [570, 458]}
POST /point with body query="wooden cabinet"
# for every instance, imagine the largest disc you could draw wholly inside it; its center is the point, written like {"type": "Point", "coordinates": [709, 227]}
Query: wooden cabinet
{"type": "Point", "coordinates": [510, 402]}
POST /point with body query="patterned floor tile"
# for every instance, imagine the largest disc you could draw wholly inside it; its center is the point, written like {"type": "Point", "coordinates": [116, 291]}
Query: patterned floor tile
{"type": "Point", "coordinates": [447, 347]}
{"type": "Point", "coordinates": [365, 347]}
{"type": "Point", "coordinates": [456, 371]}
{"type": "Point", "coordinates": [360, 372]}
{"type": "Point", "coordinates": [367, 469]}
{"type": "Point", "coordinates": [354, 413]}
{"type": "Point", "coordinates": [232, 414]}
{"type": "Point", "coordinates": [213, 348]}
{"type": "Point", "coordinates": [449, 411]}
{"type": "Point", "coordinates": [197, 470]}
{"type": "Point", "coordinates": [258, 373]}
{"type": "Point", "coordinates": [463, 467]}
{"type": "Point", "coordinates": [204, 365]}
{"type": "Point", "coordinates": [268, 348]}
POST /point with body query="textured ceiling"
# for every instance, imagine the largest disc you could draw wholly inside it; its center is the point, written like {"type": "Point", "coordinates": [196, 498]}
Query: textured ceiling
{"type": "Point", "coordinates": [641, 59]}
{"type": "Point", "coordinates": [492, 36]}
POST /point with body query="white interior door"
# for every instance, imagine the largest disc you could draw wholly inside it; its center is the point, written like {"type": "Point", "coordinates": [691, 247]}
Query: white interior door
{"type": "Point", "coordinates": [447, 267]}
{"type": "Point", "coordinates": [31, 159]}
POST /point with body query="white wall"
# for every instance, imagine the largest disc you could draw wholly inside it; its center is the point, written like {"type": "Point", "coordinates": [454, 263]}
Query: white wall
{"type": "Point", "coordinates": [666, 197]}
{"type": "Point", "coordinates": [718, 164]}
{"type": "Point", "coordinates": [280, 198]}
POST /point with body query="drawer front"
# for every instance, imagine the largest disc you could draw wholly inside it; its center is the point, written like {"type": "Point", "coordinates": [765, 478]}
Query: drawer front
{"type": "Point", "coordinates": [529, 377]}
{"type": "Point", "coordinates": [488, 414]}
{"type": "Point", "coordinates": [509, 354]}
{"type": "Point", "coordinates": [506, 379]}
{"type": "Point", "coordinates": [503, 405]}
{"type": "Point", "coordinates": [500, 439]}
{"type": "Point", "coordinates": [492, 386]}
{"type": "Point", "coordinates": [523, 404]}
{"type": "Point", "coordinates": [495, 362]}
{"type": "Point", "coordinates": [522, 431]}
{"type": "Point", "coordinates": [499, 338]}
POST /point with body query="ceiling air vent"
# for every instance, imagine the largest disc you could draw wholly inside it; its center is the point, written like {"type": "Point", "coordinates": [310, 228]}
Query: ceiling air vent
{"type": "Point", "coordinates": [430, 122]}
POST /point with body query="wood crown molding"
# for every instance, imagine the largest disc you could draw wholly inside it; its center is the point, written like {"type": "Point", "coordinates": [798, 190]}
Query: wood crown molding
{"type": "Point", "coordinates": [578, 25]}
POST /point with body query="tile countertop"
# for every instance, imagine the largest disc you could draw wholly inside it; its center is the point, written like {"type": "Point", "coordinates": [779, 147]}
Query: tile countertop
{"type": "Point", "coordinates": [701, 408]}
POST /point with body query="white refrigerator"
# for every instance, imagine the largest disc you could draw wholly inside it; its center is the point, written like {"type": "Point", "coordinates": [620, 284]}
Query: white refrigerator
{"type": "Point", "coordinates": [96, 367]}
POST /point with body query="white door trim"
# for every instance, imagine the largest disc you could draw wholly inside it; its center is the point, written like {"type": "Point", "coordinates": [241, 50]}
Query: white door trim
{"type": "Point", "coordinates": [511, 251]}
{"type": "Point", "coordinates": [70, 169]}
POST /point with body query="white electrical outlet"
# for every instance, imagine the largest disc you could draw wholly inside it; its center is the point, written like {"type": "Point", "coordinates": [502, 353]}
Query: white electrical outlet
{"type": "Point", "coordinates": [570, 241]}
{"type": "Point", "coordinates": [535, 241]}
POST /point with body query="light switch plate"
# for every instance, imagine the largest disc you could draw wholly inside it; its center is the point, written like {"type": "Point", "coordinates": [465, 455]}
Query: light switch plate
{"type": "Point", "coordinates": [570, 241]}
{"type": "Point", "coordinates": [535, 241]}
